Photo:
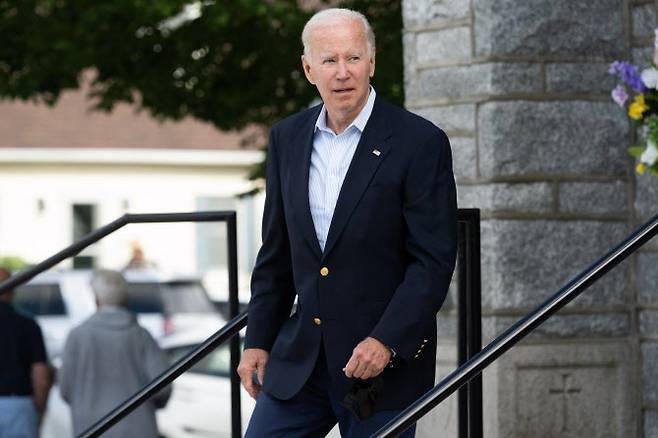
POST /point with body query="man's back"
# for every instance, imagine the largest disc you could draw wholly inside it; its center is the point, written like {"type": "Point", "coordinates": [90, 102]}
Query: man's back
{"type": "Point", "coordinates": [107, 359]}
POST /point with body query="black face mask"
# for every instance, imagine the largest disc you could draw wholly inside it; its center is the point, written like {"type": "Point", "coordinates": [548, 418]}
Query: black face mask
{"type": "Point", "coordinates": [361, 399]}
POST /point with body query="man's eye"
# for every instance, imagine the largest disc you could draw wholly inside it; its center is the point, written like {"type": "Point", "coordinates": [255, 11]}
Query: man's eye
{"type": "Point", "coordinates": [329, 61]}
{"type": "Point", "coordinates": [355, 58]}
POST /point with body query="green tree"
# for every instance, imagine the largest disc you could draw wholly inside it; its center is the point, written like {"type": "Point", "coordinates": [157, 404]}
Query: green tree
{"type": "Point", "coordinates": [232, 63]}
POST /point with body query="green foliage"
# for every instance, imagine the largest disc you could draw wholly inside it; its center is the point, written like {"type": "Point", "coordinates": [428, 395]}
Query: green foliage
{"type": "Point", "coordinates": [636, 151]}
{"type": "Point", "coordinates": [237, 64]}
{"type": "Point", "coordinates": [13, 263]}
{"type": "Point", "coordinates": [652, 127]}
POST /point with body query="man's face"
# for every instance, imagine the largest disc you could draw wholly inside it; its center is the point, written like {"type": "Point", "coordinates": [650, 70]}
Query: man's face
{"type": "Point", "coordinates": [340, 67]}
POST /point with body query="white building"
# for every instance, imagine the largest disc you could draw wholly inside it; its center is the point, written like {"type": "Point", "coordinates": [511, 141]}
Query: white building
{"type": "Point", "coordinates": [66, 170]}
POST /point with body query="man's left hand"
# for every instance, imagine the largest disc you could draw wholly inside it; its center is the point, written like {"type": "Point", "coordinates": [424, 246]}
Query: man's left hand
{"type": "Point", "coordinates": [368, 360]}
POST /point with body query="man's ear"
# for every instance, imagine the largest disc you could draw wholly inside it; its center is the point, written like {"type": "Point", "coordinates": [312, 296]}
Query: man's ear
{"type": "Point", "coordinates": [372, 64]}
{"type": "Point", "coordinates": [307, 70]}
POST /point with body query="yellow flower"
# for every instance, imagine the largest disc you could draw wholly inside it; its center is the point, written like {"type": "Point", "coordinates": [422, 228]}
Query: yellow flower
{"type": "Point", "coordinates": [637, 108]}
{"type": "Point", "coordinates": [640, 168]}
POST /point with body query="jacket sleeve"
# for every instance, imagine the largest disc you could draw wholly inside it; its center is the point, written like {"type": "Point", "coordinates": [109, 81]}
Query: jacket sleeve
{"type": "Point", "coordinates": [67, 372]}
{"type": "Point", "coordinates": [430, 215]}
{"type": "Point", "coordinates": [155, 363]}
{"type": "Point", "coordinates": [272, 286]}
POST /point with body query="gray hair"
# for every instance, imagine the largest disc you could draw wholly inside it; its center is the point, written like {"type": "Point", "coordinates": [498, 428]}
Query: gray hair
{"type": "Point", "coordinates": [333, 15]}
{"type": "Point", "coordinates": [109, 287]}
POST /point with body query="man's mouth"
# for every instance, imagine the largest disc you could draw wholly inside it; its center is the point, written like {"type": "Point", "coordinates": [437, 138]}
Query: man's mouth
{"type": "Point", "coordinates": [343, 90]}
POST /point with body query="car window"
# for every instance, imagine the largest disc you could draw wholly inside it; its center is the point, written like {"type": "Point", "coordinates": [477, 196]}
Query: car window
{"type": "Point", "coordinates": [217, 363]}
{"type": "Point", "coordinates": [144, 298]}
{"type": "Point", "coordinates": [186, 297]}
{"type": "Point", "coordinates": [43, 299]}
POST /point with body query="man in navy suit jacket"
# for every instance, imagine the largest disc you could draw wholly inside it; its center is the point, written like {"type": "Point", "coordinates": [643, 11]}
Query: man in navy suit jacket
{"type": "Point", "coordinates": [360, 225]}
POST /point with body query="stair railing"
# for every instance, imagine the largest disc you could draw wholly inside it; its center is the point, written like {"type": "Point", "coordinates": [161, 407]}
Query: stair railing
{"type": "Point", "coordinates": [469, 327]}
{"type": "Point", "coordinates": [474, 366]}
{"type": "Point", "coordinates": [203, 349]}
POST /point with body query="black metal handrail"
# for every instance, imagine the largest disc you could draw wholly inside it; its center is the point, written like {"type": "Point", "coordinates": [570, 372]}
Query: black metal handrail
{"type": "Point", "coordinates": [238, 321]}
{"type": "Point", "coordinates": [468, 339]}
{"type": "Point", "coordinates": [474, 366]}
{"type": "Point", "coordinates": [96, 235]}
{"type": "Point", "coordinates": [469, 314]}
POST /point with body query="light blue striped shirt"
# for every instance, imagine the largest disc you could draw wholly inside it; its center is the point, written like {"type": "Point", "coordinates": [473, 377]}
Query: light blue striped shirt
{"type": "Point", "coordinates": [330, 159]}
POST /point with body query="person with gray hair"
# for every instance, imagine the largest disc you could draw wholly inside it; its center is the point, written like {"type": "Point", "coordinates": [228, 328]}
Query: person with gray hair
{"type": "Point", "coordinates": [109, 288]}
{"type": "Point", "coordinates": [330, 16]}
{"type": "Point", "coordinates": [108, 358]}
{"type": "Point", "coordinates": [360, 228]}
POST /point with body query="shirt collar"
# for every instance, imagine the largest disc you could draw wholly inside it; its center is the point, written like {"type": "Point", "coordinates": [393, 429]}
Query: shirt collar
{"type": "Point", "coordinates": [359, 122]}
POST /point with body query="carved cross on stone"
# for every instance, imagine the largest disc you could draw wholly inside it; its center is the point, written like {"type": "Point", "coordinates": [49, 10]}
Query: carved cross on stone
{"type": "Point", "coordinates": [565, 391]}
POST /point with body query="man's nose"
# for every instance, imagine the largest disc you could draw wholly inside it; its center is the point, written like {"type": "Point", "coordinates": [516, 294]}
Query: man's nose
{"type": "Point", "coordinates": [342, 72]}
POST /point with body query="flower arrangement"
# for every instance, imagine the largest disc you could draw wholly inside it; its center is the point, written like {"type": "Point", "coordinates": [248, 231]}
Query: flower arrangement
{"type": "Point", "coordinates": [642, 108]}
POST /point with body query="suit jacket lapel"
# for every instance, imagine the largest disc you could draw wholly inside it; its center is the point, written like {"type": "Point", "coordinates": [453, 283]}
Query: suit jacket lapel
{"type": "Point", "coordinates": [299, 182]}
{"type": "Point", "coordinates": [362, 168]}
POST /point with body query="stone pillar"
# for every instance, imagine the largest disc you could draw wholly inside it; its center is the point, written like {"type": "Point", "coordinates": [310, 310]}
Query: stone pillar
{"type": "Point", "coordinates": [643, 21]}
{"type": "Point", "coordinates": [522, 89]}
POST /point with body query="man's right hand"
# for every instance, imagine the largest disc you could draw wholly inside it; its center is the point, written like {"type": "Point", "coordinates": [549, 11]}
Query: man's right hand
{"type": "Point", "coordinates": [253, 359]}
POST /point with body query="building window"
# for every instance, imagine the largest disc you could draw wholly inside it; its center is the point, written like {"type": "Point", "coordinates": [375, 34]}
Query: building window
{"type": "Point", "coordinates": [212, 237]}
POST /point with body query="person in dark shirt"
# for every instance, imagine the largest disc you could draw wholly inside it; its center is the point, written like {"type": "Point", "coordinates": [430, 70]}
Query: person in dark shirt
{"type": "Point", "coordinates": [25, 377]}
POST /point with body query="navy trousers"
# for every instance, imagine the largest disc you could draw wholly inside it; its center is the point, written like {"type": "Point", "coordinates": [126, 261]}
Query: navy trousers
{"type": "Point", "coordinates": [313, 412]}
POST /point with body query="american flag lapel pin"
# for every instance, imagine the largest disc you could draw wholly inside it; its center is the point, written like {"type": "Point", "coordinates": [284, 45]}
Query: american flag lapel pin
{"type": "Point", "coordinates": [376, 152]}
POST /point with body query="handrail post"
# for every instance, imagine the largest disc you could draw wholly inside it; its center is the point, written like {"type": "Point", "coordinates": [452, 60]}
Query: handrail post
{"type": "Point", "coordinates": [236, 414]}
{"type": "Point", "coordinates": [474, 322]}
{"type": "Point", "coordinates": [469, 327]}
{"type": "Point", "coordinates": [462, 329]}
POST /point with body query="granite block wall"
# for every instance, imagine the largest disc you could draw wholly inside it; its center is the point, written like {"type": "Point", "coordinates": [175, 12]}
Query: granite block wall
{"type": "Point", "coordinates": [522, 89]}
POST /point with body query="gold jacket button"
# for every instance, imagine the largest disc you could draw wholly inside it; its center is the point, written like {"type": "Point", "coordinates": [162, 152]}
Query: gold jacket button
{"type": "Point", "coordinates": [317, 321]}
{"type": "Point", "coordinates": [324, 271]}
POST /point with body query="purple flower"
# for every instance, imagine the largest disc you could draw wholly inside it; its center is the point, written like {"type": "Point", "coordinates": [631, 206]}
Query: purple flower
{"type": "Point", "coordinates": [619, 95]}
{"type": "Point", "coordinates": [628, 73]}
